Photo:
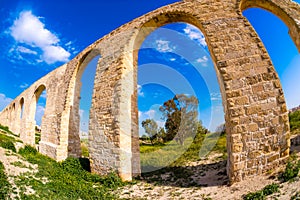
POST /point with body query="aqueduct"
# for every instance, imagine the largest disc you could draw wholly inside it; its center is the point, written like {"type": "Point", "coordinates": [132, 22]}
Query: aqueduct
{"type": "Point", "coordinates": [255, 110]}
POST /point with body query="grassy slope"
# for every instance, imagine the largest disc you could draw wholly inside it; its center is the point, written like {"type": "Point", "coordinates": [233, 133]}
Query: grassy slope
{"type": "Point", "coordinates": [56, 180]}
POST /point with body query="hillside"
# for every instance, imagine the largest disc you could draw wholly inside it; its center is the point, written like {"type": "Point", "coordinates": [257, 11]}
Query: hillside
{"type": "Point", "coordinates": [26, 174]}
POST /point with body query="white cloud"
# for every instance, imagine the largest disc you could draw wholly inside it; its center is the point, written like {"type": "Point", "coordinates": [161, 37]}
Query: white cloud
{"type": "Point", "coordinates": [69, 44]}
{"type": "Point", "coordinates": [150, 113]}
{"type": "Point", "coordinates": [216, 96]}
{"type": "Point", "coordinates": [195, 34]}
{"type": "Point", "coordinates": [29, 30]}
{"type": "Point", "coordinates": [81, 113]}
{"type": "Point", "coordinates": [172, 59]}
{"type": "Point", "coordinates": [203, 61]}
{"type": "Point", "coordinates": [53, 54]}
{"type": "Point", "coordinates": [140, 92]}
{"type": "Point", "coordinates": [164, 46]}
{"type": "Point", "coordinates": [26, 50]}
{"type": "Point", "coordinates": [4, 101]}
{"type": "Point", "coordinates": [24, 85]}
{"type": "Point", "coordinates": [44, 94]}
{"type": "Point", "coordinates": [40, 110]}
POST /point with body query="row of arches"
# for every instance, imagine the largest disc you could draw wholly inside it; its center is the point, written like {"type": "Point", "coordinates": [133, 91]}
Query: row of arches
{"type": "Point", "coordinates": [240, 62]}
{"type": "Point", "coordinates": [22, 115]}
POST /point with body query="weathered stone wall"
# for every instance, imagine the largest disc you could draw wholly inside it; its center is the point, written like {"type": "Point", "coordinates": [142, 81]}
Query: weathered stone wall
{"type": "Point", "coordinates": [255, 111]}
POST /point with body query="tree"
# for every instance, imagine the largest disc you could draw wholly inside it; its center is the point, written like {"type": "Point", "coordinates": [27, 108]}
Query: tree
{"type": "Point", "coordinates": [294, 118]}
{"type": "Point", "coordinates": [221, 129]}
{"type": "Point", "coordinates": [181, 113]}
{"type": "Point", "coordinates": [150, 127]}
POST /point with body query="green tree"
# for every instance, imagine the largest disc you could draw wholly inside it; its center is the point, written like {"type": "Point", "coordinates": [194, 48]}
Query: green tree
{"type": "Point", "coordinates": [150, 127]}
{"type": "Point", "coordinates": [294, 118]}
{"type": "Point", "coordinates": [181, 113]}
{"type": "Point", "coordinates": [221, 129]}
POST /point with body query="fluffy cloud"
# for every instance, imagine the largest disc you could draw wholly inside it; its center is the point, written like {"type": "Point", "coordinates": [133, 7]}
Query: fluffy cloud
{"type": "Point", "coordinates": [29, 30]}
{"type": "Point", "coordinates": [53, 54]}
{"type": "Point", "coordinates": [4, 101]}
{"type": "Point", "coordinates": [195, 34]}
{"type": "Point", "coordinates": [26, 50]}
{"type": "Point", "coordinates": [164, 46]}
{"type": "Point", "coordinates": [44, 94]}
{"type": "Point", "coordinates": [203, 61]}
{"type": "Point", "coordinates": [40, 110]}
{"type": "Point", "coordinates": [140, 92]}
{"type": "Point", "coordinates": [81, 113]}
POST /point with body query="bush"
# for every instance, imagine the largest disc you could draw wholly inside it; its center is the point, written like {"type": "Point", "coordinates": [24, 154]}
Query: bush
{"type": "Point", "coordinates": [291, 171]}
{"type": "Point", "coordinates": [27, 150]}
{"type": "Point", "coordinates": [294, 119]}
{"type": "Point", "coordinates": [5, 187]}
{"type": "Point", "coordinates": [261, 194]}
{"type": "Point", "coordinates": [7, 142]}
{"type": "Point", "coordinates": [8, 145]}
{"type": "Point", "coordinates": [5, 128]}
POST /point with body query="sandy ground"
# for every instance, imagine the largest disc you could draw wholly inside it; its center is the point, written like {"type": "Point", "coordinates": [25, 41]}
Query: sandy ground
{"type": "Point", "coordinates": [209, 181]}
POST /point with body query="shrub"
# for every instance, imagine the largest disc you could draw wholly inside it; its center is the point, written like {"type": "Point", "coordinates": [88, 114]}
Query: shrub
{"type": "Point", "coordinates": [28, 150]}
{"type": "Point", "coordinates": [291, 171]}
{"type": "Point", "coordinates": [8, 145]}
{"type": "Point", "coordinates": [5, 187]}
{"type": "Point", "coordinates": [261, 194]}
{"type": "Point", "coordinates": [5, 128]}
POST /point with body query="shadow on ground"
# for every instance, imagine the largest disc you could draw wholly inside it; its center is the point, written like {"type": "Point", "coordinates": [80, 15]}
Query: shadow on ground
{"type": "Point", "coordinates": [202, 175]}
{"type": "Point", "coordinates": [295, 143]}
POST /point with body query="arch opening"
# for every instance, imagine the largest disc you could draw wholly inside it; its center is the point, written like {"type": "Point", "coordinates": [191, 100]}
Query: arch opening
{"type": "Point", "coordinates": [80, 110]}
{"type": "Point", "coordinates": [19, 117]}
{"type": "Point", "coordinates": [34, 114]}
{"type": "Point", "coordinates": [287, 11]}
{"type": "Point", "coordinates": [39, 113]}
{"type": "Point", "coordinates": [175, 66]}
{"type": "Point", "coordinates": [21, 108]}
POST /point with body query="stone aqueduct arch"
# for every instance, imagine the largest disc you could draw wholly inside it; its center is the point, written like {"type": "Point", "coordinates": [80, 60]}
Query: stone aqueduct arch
{"type": "Point", "coordinates": [255, 109]}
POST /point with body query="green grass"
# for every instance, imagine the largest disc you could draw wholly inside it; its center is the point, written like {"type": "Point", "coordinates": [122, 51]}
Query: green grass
{"type": "Point", "coordinates": [5, 186]}
{"type": "Point", "coordinates": [147, 148]}
{"type": "Point", "coordinates": [7, 142]}
{"type": "Point", "coordinates": [84, 148]}
{"type": "Point", "coordinates": [291, 170]}
{"type": "Point", "coordinates": [66, 180]}
{"type": "Point", "coordinates": [19, 164]}
{"type": "Point", "coordinates": [261, 194]}
{"type": "Point", "coordinates": [173, 154]}
{"type": "Point", "coordinates": [69, 179]}
{"type": "Point", "coordinates": [6, 130]}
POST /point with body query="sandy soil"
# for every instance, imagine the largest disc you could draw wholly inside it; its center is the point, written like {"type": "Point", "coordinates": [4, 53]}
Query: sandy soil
{"type": "Point", "coordinates": [205, 180]}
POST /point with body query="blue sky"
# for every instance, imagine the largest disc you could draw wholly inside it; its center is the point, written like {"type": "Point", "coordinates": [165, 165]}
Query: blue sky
{"type": "Point", "coordinates": [37, 37]}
